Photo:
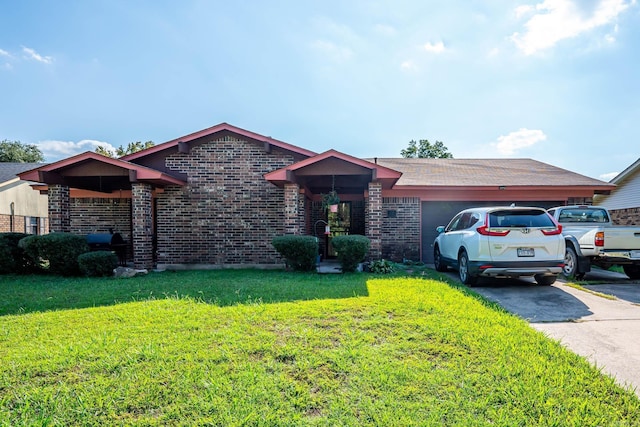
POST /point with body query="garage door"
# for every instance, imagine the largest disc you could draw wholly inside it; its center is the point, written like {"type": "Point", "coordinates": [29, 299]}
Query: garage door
{"type": "Point", "coordinates": [440, 213]}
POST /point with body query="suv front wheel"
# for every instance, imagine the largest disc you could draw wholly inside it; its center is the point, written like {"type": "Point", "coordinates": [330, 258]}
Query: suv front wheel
{"type": "Point", "coordinates": [437, 260]}
{"type": "Point", "coordinates": [463, 270]}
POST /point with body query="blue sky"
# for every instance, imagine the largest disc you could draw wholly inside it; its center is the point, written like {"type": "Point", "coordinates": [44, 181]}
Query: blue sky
{"type": "Point", "coordinates": [553, 80]}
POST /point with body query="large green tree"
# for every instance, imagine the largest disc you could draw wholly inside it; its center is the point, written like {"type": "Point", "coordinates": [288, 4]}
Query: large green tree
{"type": "Point", "coordinates": [132, 147]}
{"type": "Point", "coordinates": [424, 149]}
{"type": "Point", "coordinates": [16, 151]}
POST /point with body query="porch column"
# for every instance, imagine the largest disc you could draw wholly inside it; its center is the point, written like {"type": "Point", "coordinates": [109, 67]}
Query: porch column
{"type": "Point", "coordinates": [59, 217]}
{"type": "Point", "coordinates": [374, 220]}
{"type": "Point", "coordinates": [291, 209]}
{"type": "Point", "coordinates": [142, 225]}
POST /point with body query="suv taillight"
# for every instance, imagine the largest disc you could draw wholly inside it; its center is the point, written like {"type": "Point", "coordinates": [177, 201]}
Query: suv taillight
{"type": "Point", "coordinates": [486, 231]}
{"type": "Point", "coordinates": [554, 232]}
{"type": "Point", "coordinates": [599, 241]}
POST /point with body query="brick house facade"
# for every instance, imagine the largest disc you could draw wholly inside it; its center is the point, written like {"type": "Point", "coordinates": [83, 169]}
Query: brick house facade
{"type": "Point", "coordinates": [217, 197]}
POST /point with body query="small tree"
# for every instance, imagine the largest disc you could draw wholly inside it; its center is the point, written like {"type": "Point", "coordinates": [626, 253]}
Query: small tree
{"type": "Point", "coordinates": [16, 151]}
{"type": "Point", "coordinates": [132, 147]}
{"type": "Point", "coordinates": [425, 150]}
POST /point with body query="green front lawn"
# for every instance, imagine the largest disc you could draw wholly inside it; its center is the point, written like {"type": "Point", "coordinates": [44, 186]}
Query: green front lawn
{"type": "Point", "coordinates": [274, 348]}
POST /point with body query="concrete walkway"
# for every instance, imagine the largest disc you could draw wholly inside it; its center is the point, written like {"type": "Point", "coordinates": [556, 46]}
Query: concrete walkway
{"type": "Point", "coordinates": [609, 337]}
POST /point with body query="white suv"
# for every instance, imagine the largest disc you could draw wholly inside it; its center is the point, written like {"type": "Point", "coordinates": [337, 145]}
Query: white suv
{"type": "Point", "coordinates": [501, 242]}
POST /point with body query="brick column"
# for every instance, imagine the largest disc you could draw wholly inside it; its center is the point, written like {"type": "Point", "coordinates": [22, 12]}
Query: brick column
{"type": "Point", "coordinates": [142, 225]}
{"type": "Point", "coordinates": [374, 220]}
{"type": "Point", "coordinates": [59, 218]}
{"type": "Point", "coordinates": [291, 209]}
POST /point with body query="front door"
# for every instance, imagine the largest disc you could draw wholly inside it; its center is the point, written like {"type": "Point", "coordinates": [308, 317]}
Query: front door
{"type": "Point", "coordinates": [339, 223]}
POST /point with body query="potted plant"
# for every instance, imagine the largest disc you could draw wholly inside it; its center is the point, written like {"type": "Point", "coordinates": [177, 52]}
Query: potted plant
{"type": "Point", "coordinates": [330, 200]}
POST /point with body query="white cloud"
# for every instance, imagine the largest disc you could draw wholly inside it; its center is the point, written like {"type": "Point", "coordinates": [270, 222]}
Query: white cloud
{"type": "Point", "coordinates": [4, 53]}
{"type": "Point", "coordinates": [435, 47]}
{"type": "Point", "coordinates": [56, 150]}
{"type": "Point", "coordinates": [556, 20]}
{"type": "Point", "coordinates": [515, 141]}
{"type": "Point", "coordinates": [386, 30]}
{"type": "Point", "coordinates": [408, 65]}
{"type": "Point", "coordinates": [332, 51]}
{"type": "Point", "coordinates": [32, 54]}
{"type": "Point", "coordinates": [609, 176]}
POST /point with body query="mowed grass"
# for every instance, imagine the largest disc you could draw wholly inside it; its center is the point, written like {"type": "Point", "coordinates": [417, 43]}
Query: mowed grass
{"type": "Point", "coordinates": [270, 348]}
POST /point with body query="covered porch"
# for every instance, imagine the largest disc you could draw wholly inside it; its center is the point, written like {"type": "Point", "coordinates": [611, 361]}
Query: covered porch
{"type": "Point", "coordinates": [93, 176]}
{"type": "Point", "coordinates": [358, 184]}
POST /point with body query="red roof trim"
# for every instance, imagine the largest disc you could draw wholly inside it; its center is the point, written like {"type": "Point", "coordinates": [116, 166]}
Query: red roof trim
{"type": "Point", "coordinates": [142, 172]}
{"type": "Point", "coordinates": [215, 129]}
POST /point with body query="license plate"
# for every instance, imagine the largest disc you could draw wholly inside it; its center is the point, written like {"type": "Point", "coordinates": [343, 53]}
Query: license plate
{"type": "Point", "coordinates": [635, 254]}
{"type": "Point", "coordinates": [526, 252]}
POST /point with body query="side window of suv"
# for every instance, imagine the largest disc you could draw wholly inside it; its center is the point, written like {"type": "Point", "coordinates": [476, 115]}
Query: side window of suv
{"type": "Point", "coordinates": [453, 225]}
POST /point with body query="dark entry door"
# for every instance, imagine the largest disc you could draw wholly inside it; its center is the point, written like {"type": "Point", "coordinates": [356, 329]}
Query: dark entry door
{"type": "Point", "coordinates": [339, 223]}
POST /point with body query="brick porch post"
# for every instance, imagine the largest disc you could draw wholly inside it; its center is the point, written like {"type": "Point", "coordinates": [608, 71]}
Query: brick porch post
{"type": "Point", "coordinates": [374, 220]}
{"type": "Point", "coordinates": [59, 218]}
{"type": "Point", "coordinates": [291, 209]}
{"type": "Point", "coordinates": [142, 225]}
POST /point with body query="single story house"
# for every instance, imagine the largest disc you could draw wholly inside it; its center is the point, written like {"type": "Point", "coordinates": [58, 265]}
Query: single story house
{"type": "Point", "coordinates": [21, 209]}
{"type": "Point", "coordinates": [624, 202]}
{"type": "Point", "coordinates": [218, 196]}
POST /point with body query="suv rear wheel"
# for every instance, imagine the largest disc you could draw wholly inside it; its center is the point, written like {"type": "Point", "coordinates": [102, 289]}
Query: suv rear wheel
{"type": "Point", "coordinates": [463, 270]}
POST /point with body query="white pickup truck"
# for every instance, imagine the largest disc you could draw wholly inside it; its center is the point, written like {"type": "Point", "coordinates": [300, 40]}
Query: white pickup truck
{"type": "Point", "coordinates": [592, 239]}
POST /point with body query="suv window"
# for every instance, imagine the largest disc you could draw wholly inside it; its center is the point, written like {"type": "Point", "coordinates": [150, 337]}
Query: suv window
{"type": "Point", "coordinates": [583, 215]}
{"type": "Point", "coordinates": [520, 218]}
{"type": "Point", "coordinates": [464, 221]}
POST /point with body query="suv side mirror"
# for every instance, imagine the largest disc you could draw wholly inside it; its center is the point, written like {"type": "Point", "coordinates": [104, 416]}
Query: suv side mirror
{"type": "Point", "coordinates": [440, 229]}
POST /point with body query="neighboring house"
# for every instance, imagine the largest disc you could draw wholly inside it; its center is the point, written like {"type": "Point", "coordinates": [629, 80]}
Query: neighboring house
{"type": "Point", "coordinates": [624, 201]}
{"type": "Point", "coordinates": [22, 210]}
{"type": "Point", "coordinates": [217, 197]}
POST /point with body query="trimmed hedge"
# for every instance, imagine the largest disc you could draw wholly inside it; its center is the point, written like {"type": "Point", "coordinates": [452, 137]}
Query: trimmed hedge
{"type": "Point", "coordinates": [12, 256]}
{"type": "Point", "coordinates": [351, 250]}
{"type": "Point", "coordinates": [300, 252]}
{"type": "Point", "coordinates": [97, 264]}
{"type": "Point", "coordinates": [60, 250]}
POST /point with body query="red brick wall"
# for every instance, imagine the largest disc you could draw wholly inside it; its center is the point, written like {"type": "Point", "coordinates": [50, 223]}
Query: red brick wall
{"type": "Point", "coordinates": [19, 223]}
{"type": "Point", "coordinates": [626, 216]}
{"type": "Point", "coordinates": [401, 234]}
{"type": "Point", "coordinates": [93, 215]}
{"type": "Point", "coordinates": [228, 213]}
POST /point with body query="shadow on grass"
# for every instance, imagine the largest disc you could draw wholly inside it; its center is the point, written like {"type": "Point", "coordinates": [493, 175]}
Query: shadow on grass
{"type": "Point", "coordinates": [26, 294]}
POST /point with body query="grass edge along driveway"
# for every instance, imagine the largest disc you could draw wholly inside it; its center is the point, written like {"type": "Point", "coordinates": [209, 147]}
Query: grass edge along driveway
{"type": "Point", "coordinates": [405, 351]}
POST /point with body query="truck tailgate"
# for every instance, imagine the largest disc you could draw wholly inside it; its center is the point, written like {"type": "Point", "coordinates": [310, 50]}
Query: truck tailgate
{"type": "Point", "coordinates": [627, 238]}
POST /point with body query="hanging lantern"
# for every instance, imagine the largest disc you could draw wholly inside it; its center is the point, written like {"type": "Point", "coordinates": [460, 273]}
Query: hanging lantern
{"type": "Point", "coordinates": [327, 229]}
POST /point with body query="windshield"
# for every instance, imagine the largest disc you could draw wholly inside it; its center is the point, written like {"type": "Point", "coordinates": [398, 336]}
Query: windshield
{"type": "Point", "coordinates": [583, 215]}
{"type": "Point", "coordinates": [520, 218]}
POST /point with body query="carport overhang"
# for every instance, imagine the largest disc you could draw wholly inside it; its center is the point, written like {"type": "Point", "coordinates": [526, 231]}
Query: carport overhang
{"type": "Point", "coordinates": [97, 173]}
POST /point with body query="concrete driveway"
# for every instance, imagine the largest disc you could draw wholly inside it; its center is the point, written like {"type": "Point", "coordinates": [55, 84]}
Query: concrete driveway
{"type": "Point", "coordinates": [606, 332]}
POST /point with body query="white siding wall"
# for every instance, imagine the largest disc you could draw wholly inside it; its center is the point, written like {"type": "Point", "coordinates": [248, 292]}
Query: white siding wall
{"type": "Point", "coordinates": [626, 196]}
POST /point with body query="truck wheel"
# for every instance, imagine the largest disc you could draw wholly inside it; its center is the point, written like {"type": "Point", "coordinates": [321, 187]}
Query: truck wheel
{"type": "Point", "coordinates": [545, 280]}
{"type": "Point", "coordinates": [633, 271]}
{"type": "Point", "coordinates": [463, 270]}
{"type": "Point", "coordinates": [570, 268]}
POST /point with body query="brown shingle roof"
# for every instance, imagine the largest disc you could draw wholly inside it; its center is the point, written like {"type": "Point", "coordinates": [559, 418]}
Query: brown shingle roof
{"type": "Point", "coordinates": [483, 172]}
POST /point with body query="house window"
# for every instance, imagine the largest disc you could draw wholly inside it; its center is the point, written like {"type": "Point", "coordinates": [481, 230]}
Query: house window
{"type": "Point", "coordinates": [31, 225]}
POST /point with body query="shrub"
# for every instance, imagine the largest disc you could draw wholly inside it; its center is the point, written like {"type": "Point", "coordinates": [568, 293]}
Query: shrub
{"type": "Point", "coordinates": [12, 256]}
{"type": "Point", "coordinates": [300, 252]}
{"type": "Point", "coordinates": [29, 245]}
{"type": "Point", "coordinates": [59, 250]}
{"type": "Point", "coordinates": [351, 250]}
{"type": "Point", "coordinates": [97, 264]}
{"type": "Point", "coordinates": [382, 266]}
